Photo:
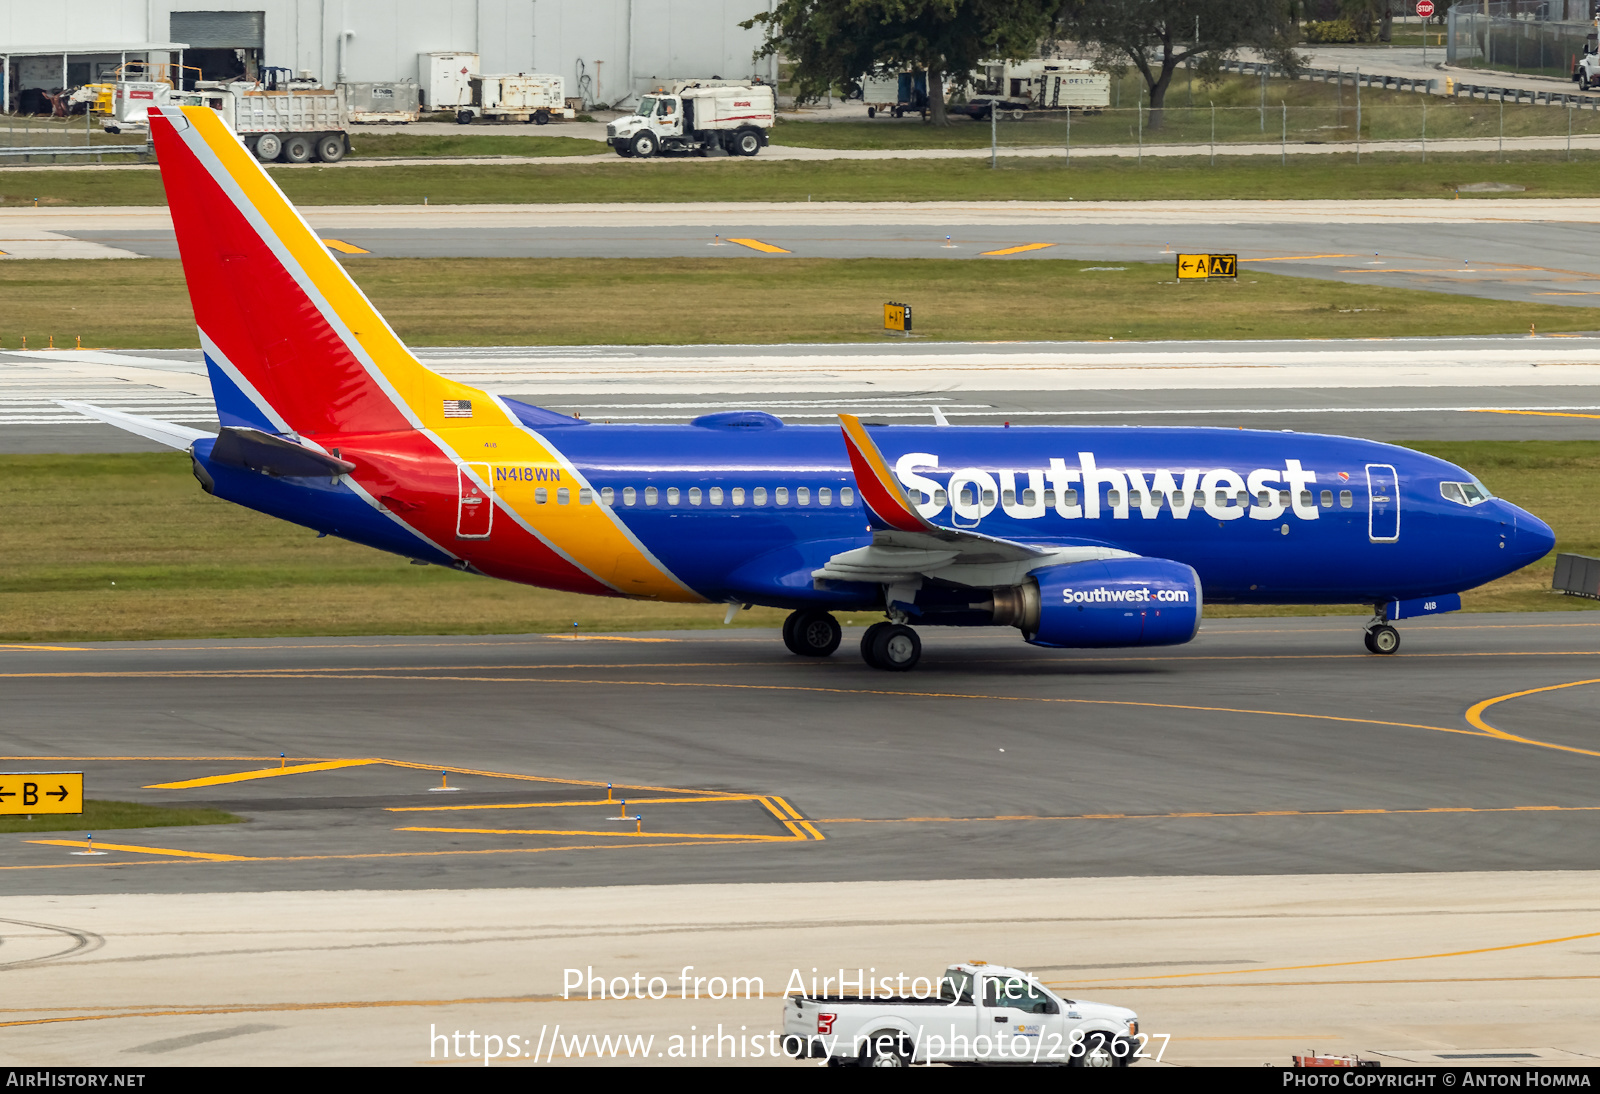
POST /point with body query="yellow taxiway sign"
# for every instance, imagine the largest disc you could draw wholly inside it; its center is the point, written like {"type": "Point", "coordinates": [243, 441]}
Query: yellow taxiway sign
{"type": "Point", "coordinates": [23, 792]}
{"type": "Point", "coordinates": [1202, 267]}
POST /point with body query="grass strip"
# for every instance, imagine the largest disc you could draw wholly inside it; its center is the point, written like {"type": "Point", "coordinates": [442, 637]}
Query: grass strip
{"type": "Point", "coordinates": [127, 547]}
{"type": "Point", "coordinates": [559, 301]}
{"type": "Point", "coordinates": [1333, 176]}
{"type": "Point", "coordinates": [100, 816]}
{"type": "Point", "coordinates": [379, 145]}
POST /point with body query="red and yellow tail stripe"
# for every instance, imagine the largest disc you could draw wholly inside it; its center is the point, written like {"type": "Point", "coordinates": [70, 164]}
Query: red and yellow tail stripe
{"type": "Point", "coordinates": [880, 490]}
{"type": "Point", "coordinates": [287, 322]}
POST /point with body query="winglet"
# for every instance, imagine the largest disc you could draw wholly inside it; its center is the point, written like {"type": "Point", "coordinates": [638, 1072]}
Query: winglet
{"type": "Point", "coordinates": [885, 498]}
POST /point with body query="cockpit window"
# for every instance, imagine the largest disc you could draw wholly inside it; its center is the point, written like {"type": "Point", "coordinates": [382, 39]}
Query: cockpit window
{"type": "Point", "coordinates": [1465, 493]}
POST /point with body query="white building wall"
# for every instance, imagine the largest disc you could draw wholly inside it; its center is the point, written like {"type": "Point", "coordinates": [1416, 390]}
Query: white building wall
{"type": "Point", "coordinates": [625, 46]}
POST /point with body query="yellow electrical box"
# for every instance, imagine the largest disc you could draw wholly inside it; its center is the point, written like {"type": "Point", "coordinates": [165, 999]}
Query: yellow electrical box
{"type": "Point", "coordinates": [897, 317]}
{"type": "Point", "coordinates": [25, 792]}
{"type": "Point", "coordinates": [1204, 267]}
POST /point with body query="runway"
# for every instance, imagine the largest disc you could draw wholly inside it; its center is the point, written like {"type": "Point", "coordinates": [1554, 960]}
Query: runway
{"type": "Point", "coordinates": [1504, 388]}
{"type": "Point", "coordinates": [1535, 250]}
{"type": "Point", "coordinates": [1267, 746]}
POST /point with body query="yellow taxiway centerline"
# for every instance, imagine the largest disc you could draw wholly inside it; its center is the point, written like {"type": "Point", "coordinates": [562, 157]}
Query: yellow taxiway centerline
{"type": "Point", "coordinates": [1016, 250]}
{"type": "Point", "coordinates": [344, 248]}
{"type": "Point", "coordinates": [757, 245]}
{"type": "Point", "coordinates": [168, 851]}
{"type": "Point", "coordinates": [264, 773]}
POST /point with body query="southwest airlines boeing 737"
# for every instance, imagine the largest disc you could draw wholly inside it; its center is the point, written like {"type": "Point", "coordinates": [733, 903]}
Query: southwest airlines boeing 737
{"type": "Point", "coordinates": [1077, 537]}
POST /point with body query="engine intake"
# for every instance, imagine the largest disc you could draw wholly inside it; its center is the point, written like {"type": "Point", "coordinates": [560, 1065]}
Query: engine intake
{"type": "Point", "coordinates": [1104, 604]}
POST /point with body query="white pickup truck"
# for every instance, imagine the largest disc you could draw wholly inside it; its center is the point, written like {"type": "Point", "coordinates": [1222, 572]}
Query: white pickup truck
{"type": "Point", "coordinates": [976, 1014]}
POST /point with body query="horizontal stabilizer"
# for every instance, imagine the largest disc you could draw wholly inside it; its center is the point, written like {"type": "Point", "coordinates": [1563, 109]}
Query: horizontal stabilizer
{"type": "Point", "coordinates": [151, 429]}
{"type": "Point", "coordinates": [270, 454]}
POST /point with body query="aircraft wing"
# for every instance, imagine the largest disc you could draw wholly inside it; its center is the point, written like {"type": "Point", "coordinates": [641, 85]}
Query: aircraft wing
{"type": "Point", "coordinates": [906, 546]}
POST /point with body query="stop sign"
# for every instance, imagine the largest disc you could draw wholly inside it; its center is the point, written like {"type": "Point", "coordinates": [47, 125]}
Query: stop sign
{"type": "Point", "coordinates": [1425, 8]}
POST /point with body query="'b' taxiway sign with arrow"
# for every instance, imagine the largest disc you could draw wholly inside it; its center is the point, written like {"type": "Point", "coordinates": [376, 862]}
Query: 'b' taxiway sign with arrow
{"type": "Point", "coordinates": [26, 792]}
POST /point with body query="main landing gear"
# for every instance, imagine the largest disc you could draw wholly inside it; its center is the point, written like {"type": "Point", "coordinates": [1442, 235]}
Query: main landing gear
{"type": "Point", "coordinates": [893, 647]}
{"type": "Point", "coordinates": [811, 633]}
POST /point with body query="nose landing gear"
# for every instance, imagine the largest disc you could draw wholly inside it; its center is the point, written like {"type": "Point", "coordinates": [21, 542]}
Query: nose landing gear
{"type": "Point", "coordinates": [1381, 637]}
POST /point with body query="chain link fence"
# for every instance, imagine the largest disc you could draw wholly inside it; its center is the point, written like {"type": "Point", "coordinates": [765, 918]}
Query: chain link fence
{"type": "Point", "coordinates": [1352, 125]}
{"type": "Point", "coordinates": [1513, 42]}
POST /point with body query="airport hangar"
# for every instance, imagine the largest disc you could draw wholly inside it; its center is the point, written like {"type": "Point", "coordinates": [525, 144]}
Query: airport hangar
{"type": "Point", "coordinates": [607, 51]}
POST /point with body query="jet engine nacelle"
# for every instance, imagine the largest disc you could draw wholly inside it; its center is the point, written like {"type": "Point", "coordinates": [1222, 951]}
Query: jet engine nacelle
{"type": "Point", "coordinates": [1104, 604]}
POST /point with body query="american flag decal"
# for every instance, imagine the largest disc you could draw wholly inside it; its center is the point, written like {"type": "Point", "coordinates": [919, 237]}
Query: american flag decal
{"type": "Point", "coordinates": [458, 408]}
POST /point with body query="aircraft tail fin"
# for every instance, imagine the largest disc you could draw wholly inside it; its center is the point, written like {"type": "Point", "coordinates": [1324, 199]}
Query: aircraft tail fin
{"type": "Point", "coordinates": [291, 343]}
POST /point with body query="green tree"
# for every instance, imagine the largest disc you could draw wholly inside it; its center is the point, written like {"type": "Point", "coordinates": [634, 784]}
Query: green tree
{"type": "Point", "coordinates": [833, 42]}
{"type": "Point", "coordinates": [1156, 36]}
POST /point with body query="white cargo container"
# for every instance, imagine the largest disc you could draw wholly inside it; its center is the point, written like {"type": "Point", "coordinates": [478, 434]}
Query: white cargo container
{"type": "Point", "coordinates": [446, 79]}
{"type": "Point", "coordinates": [397, 103]}
{"type": "Point", "coordinates": [517, 97]}
{"type": "Point", "coordinates": [697, 115]}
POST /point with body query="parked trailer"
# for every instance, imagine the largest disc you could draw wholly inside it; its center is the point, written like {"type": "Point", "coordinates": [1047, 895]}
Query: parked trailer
{"type": "Point", "coordinates": [897, 93]}
{"type": "Point", "coordinates": [1019, 87]}
{"type": "Point", "coordinates": [517, 97]}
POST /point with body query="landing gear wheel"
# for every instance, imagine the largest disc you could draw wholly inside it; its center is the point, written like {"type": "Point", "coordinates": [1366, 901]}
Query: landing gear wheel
{"type": "Point", "coordinates": [1384, 639]}
{"type": "Point", "coordinates": [268, 147]}
{"type": "Point", "coordinates": [869, 639]}
{"type": "Point", "coordinates": [645, 146]}
{"type": "Point", "coordinates": [896, 648]}
{"type": "Point", "coordinates": [463, 117]}
{"type": "Point", "coordinates": [297, 149]}
{"type": "Point", "coordinates": [1101, 1049]}
{"type": "Point", "coordinates": [886, 1048]}
{"type": "Point", "coordinates": [811, 633]}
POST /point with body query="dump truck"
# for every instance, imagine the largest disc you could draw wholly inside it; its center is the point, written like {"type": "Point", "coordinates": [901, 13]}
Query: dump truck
{"type": "Point", "coordinates": [277, 117]}
{"type": "Point", "coordinates": [697, 116]}
{"type": "Point", "coordinates": [519, 97]}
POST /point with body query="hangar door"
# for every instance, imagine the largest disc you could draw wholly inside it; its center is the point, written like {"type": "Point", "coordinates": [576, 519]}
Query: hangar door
{"type": "Point", "coordinates": [224, 45]}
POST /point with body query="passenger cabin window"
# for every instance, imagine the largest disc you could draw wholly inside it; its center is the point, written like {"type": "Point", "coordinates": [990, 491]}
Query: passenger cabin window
{"type": "Point", "coordinates": [1008, 497]}
{"type": "Point", "coordinates": [650, 495]}
{"type": "Point", "coordinates": [988, 498]}
{"type": "Point", "coordinates": [694, 495]}
{"type": "Point", "coordinates": [1283, 498]}
{"type": "Point", "coordinates": [629, 495]}
{"type": "Point", "coordinates": [1346, 499]}
{"type": "Point", "coordinates": [1029, 498]}
{"type": "Point", "coordinates": [738, 495]}
{"type": "Point", "coordinates": [780, 496]}
{"type": "Point", "coordinates": [608, 496]}
{"type": "Point", "coordinates": [1177, 497]}
{"type": "Point", "coordinates": [1135, 497]}
{"type": "Point", "coordinates": [759, 495]}
{"type": "Point", "coordinates": [1264, 498]}
{"type": "Point", "coordinates": [824, 496]}
{"type": "Point", "coordinates": [540, 495]}
{"type": "Point", "coordinates": [715, 495]}
{"type": "Point", "coordinates": [585, 496]}
{"type": "Point", "coordinates": [672, 495]}
{"type": "Point", "coordinates": [940, 498]}
{"type": "Point", "coordinates": [847, 496]}
{"type": "Point", "coordinates": [1113, 498]}
{"type": "Point", "coordinates": [802, 495]}
{"type": "Point", "coordinates": [1305, 499]}
{"type": "Point", "coordinates": [1327, 499]}
{"type": "Point", "coordinates": [563, 495]}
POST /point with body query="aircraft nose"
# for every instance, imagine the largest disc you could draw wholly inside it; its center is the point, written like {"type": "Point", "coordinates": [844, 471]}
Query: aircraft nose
{"type": "Point", "coordinates": [1531, 538]}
